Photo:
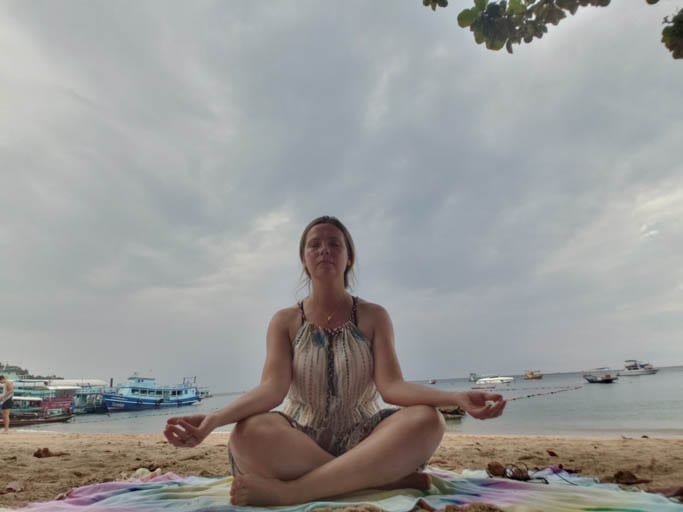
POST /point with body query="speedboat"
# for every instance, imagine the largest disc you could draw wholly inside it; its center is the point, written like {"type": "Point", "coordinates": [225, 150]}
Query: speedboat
{"type": "Point", "coordinates": [634, 367]}
{"type": "Point", "coordinates": [495, 379]}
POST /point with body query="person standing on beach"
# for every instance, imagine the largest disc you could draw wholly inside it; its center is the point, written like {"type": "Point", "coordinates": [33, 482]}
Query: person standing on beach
{"type": "Point", "coordinates": [329, 356]}
{"type": "Point", "coordinates": [6, 400]}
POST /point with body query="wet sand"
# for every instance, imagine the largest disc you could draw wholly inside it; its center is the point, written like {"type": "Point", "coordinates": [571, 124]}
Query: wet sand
{"type": "Point", "coordinates": [92, 458]}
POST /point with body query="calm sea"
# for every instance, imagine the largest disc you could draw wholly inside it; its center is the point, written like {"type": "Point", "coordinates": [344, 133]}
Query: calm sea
{"type": "Point", "coordinates": [558, 404]}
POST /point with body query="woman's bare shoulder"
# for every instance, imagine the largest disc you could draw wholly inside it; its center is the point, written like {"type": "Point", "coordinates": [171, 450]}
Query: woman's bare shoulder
{"type": "Point", "coordinates": [287, 315]}
{"type": "Point", "coordinates": [287, 321]}
{"type": "Point", "coordinates": [371, 310]}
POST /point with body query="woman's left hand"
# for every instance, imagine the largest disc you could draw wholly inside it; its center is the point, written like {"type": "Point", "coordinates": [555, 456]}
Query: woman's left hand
{"type": "Point", "coordinates": [482, 405]}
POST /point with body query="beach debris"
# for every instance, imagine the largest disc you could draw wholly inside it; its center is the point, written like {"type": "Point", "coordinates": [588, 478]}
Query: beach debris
{"type": "Point", "coordinates": [471, 507]}
{"type": "Point", "coordinates": [16, 486]}
{"type": "Point", "coordinates": [63, 495]}
{"type": "Point", "coordinates": [142, 474]}
{"type": "Point", "coordinates": [46, 452]}
{"type": "Point", "coordinates": [625, 477]}
{"type": "Point", "coordinates": [569, 470]}
{"type": "Point", "coordinates": [552, 453]}
{"type": "Point", "coordinates": [495, 469]}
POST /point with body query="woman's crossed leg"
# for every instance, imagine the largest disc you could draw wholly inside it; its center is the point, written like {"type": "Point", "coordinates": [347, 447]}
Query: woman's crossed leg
{"type": "Point", "coordinates": [281, 465]}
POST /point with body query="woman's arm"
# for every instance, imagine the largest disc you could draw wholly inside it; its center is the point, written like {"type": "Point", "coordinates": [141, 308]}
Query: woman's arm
{"type": "Point", "coordinates": [395, 390]}
{"type": "Point", "coordinates": [275, 381]}
{"type": "Point", "coordinates": [275, 377]}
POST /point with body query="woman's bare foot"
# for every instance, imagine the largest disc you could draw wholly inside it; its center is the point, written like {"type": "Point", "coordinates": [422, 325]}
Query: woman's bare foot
{"type": "Point", "coordinates": [417, 480]}
{"type": "Point", "coordinates": [258, 490]}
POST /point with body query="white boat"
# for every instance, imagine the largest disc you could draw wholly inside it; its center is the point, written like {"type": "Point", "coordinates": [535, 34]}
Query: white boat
{"type": "Point", "coordinates": [634, 367]}
{"type": "Point", "coordinates": [495, 379]}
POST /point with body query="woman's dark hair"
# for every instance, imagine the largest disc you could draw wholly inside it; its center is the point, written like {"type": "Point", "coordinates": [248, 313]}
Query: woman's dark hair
{"type": "Point", "coordinates": [350, 247]}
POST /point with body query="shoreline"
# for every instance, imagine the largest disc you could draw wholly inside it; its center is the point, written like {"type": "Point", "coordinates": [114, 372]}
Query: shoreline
{"type": "Point", "coordinates": [93, 458]}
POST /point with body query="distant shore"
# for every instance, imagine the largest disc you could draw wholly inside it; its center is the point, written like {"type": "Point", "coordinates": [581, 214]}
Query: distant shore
{"type": "Point", "coordinates": [92, 458]}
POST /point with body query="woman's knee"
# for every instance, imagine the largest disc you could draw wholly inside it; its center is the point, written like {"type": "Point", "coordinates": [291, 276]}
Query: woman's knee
{"type": "Point", "coordinates": [428, 418]}
{"type": "Point", "coordinates": [257, 429]}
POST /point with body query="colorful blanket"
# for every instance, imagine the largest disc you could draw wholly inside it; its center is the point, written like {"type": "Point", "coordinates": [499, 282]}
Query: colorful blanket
{"type": "Point", "coordinates": [563, 492]}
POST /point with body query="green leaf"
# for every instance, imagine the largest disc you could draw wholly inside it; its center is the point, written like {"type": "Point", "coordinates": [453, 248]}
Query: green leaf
{"type": "Point", "coordinates": [495, 44]}
{"type": "Point", "coordinates": [516, 7]}
{"type": "Point", "coordinates": [467, 17]}
{"type": "Point", "coordinates": [480, 4]}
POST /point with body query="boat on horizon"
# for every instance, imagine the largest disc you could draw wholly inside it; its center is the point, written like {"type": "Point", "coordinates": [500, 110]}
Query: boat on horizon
{"type": "Point", "coordinates": [140, 393]}
{"type": "Point", "coordinates": [633, 367]}
{"type": "Point", "coordinates": [601, 375]}
{"type": "Point", "coordinates": [533, 375]}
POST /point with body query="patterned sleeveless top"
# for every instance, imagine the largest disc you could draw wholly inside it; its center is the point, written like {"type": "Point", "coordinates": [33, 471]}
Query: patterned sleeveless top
{"type": "Point", "coordinates": [332, 394]}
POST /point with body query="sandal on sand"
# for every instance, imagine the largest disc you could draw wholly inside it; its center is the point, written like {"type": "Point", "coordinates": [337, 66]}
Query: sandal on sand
{"type": "Point", "coordinates": [512, 472]}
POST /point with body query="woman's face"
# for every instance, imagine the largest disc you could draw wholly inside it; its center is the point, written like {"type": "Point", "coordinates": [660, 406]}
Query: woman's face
{"type": "Point", "coordinates": [325, 252]}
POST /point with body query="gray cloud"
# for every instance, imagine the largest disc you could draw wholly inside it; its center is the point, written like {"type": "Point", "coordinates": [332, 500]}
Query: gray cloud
{"type": "Point", "coordinates": [160, 162]}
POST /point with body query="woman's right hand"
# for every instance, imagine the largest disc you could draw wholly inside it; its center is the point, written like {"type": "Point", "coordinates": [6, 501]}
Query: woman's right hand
{"type": "Point", "coordinates": [187, 431]}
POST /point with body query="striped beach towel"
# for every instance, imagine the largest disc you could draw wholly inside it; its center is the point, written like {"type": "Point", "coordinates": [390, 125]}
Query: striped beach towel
{"type": "Point", "coordinates": [563, 492]}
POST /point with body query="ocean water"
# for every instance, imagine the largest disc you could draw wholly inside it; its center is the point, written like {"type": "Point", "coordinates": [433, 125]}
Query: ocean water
{"type": "Point", "coordinates": [558, 404]}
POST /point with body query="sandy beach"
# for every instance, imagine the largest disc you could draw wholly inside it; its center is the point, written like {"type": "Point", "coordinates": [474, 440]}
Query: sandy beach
{"type": "Point", "coordinates": [91, 458]}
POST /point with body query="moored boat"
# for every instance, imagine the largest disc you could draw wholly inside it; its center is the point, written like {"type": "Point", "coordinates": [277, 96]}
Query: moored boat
{"type": "Point", "coordinates": [34, 410]}
{"type": "Point", "coordinates": [602, 375]}
{"type": "Point", "coordinates": [144, 393]}
{"type": "Point", "coordinates": [635, 367]}
{"type": "Point", "coordinates": [452, 413]}
{"type": "Point", "coordinates": [533, 374]}
{"type": "Point", "coordinates": [86, 395]}
{"type": "Point", "coordinates": [89, 396]}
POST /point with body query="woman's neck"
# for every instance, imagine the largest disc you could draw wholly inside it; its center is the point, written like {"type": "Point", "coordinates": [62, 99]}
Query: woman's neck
{"type": "Point", "coordinates": [327, 297]}
{"type": "Point", "coordinates": [328, 307]}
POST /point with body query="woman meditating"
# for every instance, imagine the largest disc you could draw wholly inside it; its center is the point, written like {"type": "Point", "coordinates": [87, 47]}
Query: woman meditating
{"type": "Point", "coordinates": [328, 357]}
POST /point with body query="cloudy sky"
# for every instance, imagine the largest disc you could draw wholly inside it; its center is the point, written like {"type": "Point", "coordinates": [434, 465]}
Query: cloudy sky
{"type": "Point", "coordinates": [160, 159]}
